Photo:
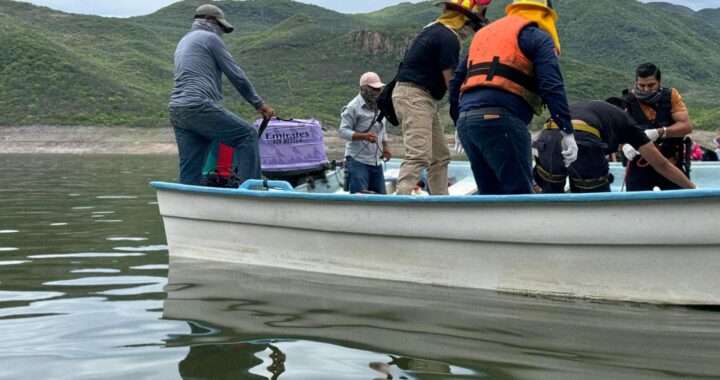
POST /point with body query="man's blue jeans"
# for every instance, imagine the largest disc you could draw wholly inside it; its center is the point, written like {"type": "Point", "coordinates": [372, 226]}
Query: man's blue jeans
{"type": "Point", "coordinates": [500, 153]}
{"type": "Point", "coordinates": [363, 177]}
{"type": "Point", "coordinates": [197, 127]}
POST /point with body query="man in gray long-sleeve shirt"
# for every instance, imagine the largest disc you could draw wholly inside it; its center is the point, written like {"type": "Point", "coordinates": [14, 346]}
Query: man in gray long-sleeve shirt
{"type": "Point", "coordinates": [195, 108]}
{"type": "Point", "coordinates": [367, 138]}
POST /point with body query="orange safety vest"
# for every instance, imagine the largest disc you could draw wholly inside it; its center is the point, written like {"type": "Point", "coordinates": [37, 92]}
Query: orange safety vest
{"type": "Point", "coordinates": [495, 60]}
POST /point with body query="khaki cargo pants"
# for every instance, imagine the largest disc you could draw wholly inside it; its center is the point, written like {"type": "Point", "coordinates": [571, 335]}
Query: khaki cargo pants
{"type": "Point", "coordinates": [423, 138]}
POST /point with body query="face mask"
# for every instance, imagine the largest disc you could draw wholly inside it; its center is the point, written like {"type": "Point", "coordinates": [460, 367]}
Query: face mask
{"type": "Point", "coordinates": [651, 98]}
{"type": "Point", "coordinates": [370, 95]}
{"type": "Point", "coordinates": [202, 24]}
{"type": "Point", "coordinates": [465, 32]}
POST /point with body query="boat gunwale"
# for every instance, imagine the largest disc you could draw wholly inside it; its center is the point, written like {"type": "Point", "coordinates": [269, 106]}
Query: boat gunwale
{"type": "Point", "coordinates": [448, 199]}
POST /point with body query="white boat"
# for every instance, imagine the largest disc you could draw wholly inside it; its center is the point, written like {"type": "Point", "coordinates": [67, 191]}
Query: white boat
{"type": "Point", "coordinates": [655, 247]}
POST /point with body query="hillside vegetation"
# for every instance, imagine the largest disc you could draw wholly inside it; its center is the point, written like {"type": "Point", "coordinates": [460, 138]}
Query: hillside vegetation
{"type": "Point", "coordinates": [65, 69]}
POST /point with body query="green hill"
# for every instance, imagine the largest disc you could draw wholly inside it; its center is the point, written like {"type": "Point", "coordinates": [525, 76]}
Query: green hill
{"type": "Point", "coordinates": [58, 68]}
{"type": "Point", "coordinates": [710, 16]}
{"type": "Point", "coordinates": [674, 8]}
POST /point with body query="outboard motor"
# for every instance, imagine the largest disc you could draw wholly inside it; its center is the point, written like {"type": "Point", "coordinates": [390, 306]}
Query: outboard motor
{"type": "Point", "coordinates": [291, 150]}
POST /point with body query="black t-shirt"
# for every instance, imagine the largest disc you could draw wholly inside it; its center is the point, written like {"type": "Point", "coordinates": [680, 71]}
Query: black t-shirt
{"type": "Point", "coordinates": [616, 127]}
{"type": "Point", "coordinates": [434, 50]}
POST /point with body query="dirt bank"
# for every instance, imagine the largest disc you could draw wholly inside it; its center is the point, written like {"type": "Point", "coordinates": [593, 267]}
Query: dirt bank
{"type": "Point", "coordinates": [119, 140]}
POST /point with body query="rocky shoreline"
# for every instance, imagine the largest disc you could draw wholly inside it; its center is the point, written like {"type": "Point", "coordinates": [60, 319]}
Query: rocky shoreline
{"type": "Point", "coordinates": [156, 141]}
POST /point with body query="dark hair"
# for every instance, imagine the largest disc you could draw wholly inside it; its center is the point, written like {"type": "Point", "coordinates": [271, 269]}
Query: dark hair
{"type": "Point", "coordinates": [647, 70]}
{"type": "Point", "coordinates": [618, 102]}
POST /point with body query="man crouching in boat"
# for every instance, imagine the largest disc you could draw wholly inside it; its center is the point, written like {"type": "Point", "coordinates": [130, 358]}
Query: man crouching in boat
{"type": "Point", "coordinates": [600, 127]}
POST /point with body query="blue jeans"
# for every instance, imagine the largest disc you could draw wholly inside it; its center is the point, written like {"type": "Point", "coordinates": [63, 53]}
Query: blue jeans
{"type": "Point", "coordinates": [197, 127]}
{"type": "Point", "coordinates": [363, 177]}
{"type": "Point", "coordinates": [499, 152]}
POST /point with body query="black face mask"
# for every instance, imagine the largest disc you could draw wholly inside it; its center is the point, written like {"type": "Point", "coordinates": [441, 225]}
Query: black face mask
{"type": "Point", "coordinates": [650, 98]}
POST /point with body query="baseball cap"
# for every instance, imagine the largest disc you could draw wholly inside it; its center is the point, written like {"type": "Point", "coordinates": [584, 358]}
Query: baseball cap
{"type": "Point", "coordinates": [213, 11]}
{"type": "Point", "coordinates": [371, 79]}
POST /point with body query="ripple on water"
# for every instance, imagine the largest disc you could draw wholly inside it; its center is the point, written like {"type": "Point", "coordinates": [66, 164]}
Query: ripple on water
{"type": "Point", "coordinates": [14, 262]}
{"type": "Point", "coordinates": [9, 231]}
{"type": "Point", "coordinates": [152, 267]}
{"type": "Point", "coordinates": [8, 249]}
{"type": "Point", "coordinates": [96, 270]}
{"type": "Point", "coordinates": [84, 255]}
{"type": "Point", "coordinates": [117, 197]}
{"type": "Point", "coordinates": [134, 291]}
{"type": "Point", "coordinates": [124, 238]}
{"type": "Point", "coordinates": [6, 296]}
{"type": "Point", "coordinates": [58, 224]}
{"type": "Point", "coordinates": [109, 280]}
{"type": "Point", "coordinates": [147, 248]}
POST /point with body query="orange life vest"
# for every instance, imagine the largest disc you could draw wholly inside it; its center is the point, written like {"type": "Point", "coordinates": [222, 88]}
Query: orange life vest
{"type": "Point", "coordinates": [495, 60]}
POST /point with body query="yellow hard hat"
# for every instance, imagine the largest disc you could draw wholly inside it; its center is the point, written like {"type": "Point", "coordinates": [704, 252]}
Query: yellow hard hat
{"type": "Point", "coordinates": [546, 4]}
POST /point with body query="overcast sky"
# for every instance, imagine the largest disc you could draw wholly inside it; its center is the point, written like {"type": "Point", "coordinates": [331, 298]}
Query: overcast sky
{"type": "Point", "coordinates": [125, 8]}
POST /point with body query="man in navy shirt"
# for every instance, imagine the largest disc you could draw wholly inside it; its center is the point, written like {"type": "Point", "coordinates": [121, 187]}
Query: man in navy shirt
{"type": "Point", "coordinates": [423, 80]}
{"type": "Point", "coordinates": [510, 72]}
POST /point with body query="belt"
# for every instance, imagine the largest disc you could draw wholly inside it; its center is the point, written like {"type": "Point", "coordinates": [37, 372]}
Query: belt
{"type": "Point", "coordinates": [413, 85]}
{"type": "Point", "coordinates": [549, 177]}
{"type": "Point", "coordinates": [578, 127]}
{"type": "Point", "coordinates": [495, 111]}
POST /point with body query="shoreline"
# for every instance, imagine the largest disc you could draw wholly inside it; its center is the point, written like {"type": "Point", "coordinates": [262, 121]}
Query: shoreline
{"type": "Point", "coordinates": [161, 141]}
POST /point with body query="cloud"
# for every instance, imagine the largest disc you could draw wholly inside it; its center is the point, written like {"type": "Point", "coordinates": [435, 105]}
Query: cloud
{"type": "Point", "coordinates": [114, 8]}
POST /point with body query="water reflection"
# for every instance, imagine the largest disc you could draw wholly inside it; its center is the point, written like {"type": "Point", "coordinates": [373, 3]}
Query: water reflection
{"type": "Point", "coordinates": [333, 327]}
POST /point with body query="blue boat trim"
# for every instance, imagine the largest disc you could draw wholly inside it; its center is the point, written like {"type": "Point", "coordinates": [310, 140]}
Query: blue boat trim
{"type": "Point", "coordinates": [540, 198]}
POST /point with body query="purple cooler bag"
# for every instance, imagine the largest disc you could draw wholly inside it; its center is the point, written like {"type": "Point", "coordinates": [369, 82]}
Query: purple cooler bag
{"type": "Point", "coordinates": [294, 145]}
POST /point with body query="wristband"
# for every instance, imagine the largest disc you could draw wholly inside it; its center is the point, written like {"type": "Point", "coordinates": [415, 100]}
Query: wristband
{"type": "Point", "coordinates": [665, 133]}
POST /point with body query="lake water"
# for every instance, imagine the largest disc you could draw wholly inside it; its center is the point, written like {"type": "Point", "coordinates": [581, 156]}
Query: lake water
{"type": "Point", "coordinates": [86, 292]}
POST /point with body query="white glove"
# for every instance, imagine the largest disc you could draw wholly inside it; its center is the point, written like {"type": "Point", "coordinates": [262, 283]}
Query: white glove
{"type": "Point", "coordinates": [629, 152]}
{"type": "Point", "coordinates": [652, 134]}
{"type": "Point", "coordinates": [458, 148]}
{"type": "Point", "coordinates": [570, 149]}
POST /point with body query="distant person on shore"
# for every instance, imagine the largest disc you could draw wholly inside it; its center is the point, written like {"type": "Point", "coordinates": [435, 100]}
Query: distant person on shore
{"type": "Point", "coordinates": [663, 114]}
{"type": "Point", "coordinates": [421, 82]}
{"type": "Point", "coordinates": [367, 144]}
{"type": "Point", "coordinates": [600, 127]}
{"type": "Point", "coordinates": [195, 108]}
{"type": "Point", "coordinates": [511, 71]}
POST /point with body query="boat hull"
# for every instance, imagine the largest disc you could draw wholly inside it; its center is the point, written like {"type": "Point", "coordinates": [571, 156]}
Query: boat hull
{"type": "Point", "coordinates": [624, 247]}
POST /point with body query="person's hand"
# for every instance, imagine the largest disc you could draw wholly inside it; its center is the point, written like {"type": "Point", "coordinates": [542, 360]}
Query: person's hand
{"type": "Point", "coordinates": [652, 134]}
{"type": "Point", "coordinates": [570, 149]}
{"type": "Point", "coordinates": [387, 155]}
{"type": "Point", "coordinates": [629, 152]}
{"type": "Point", "coordinates": [454, 113]}
{"type": "Point", "coordinates": [266, 111]}
{"type": "Point", "coordinates": [371, 136]}
{"type": "Point", "coordinates": [457, 147]}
